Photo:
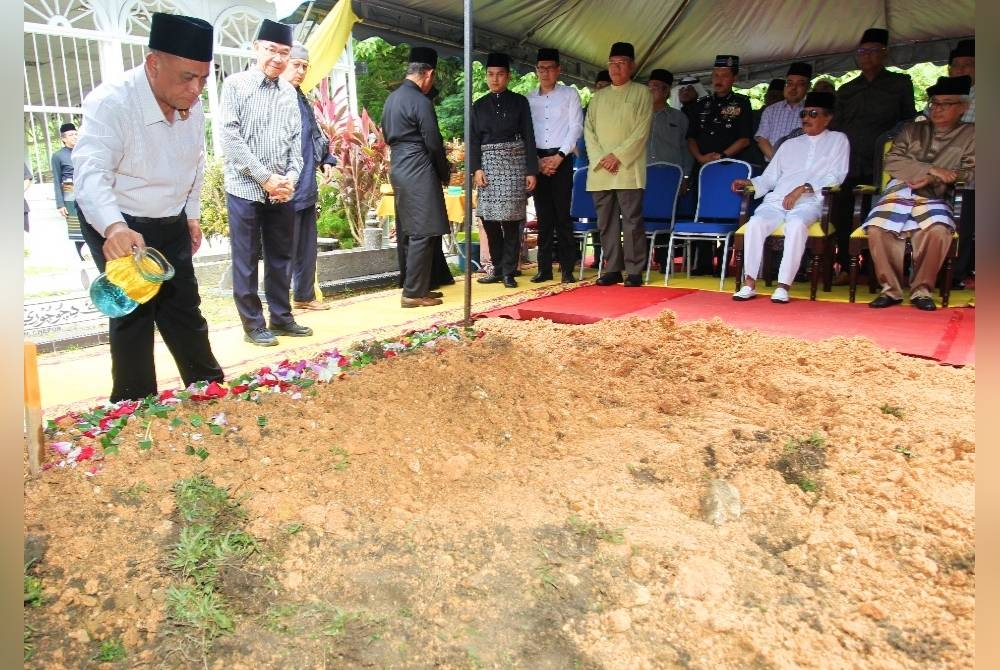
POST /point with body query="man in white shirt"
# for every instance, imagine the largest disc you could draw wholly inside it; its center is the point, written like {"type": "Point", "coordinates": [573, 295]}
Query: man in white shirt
{"type": "Point", "coordinates": [782, 117]}
{"type": "Point", "coordinates": [138, 169]}
{"type": "Point", "coordinates": [557, 118]}
{"type": "Point", "coordinates": [793, 180]}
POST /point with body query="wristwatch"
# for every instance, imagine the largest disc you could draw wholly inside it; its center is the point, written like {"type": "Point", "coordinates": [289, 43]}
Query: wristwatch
{"type": "Point", "coordinates": [808, 188]}
{"type": "Point", "coordinates": [722, 154]}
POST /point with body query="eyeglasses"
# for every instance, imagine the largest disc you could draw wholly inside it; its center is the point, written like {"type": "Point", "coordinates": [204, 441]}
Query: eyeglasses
{"type": "Point", "coordinates": [546, 68]}
{"type": "Point", "coordinates": [870, 51]}
{"type": "Point", "coordinates": [944, 104]}
{"type": "Point", "coordinates": [811, 113]}
{"type": "Point", "coordinates": [617, 63]}
{"type": "Point", "coordinates": [274, 53]}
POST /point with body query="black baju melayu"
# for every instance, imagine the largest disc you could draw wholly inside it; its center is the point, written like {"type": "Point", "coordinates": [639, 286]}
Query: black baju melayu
{"type": "Point", "coordinates": [418, 174]}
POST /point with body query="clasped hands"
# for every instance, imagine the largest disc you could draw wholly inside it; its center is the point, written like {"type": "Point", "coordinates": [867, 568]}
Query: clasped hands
{"type": "Point", "coordinates": [479, 179]}
{"type": "Point", "coordinates": [935, 175]}
{"type": "Point", "coordinates": [279, 188]}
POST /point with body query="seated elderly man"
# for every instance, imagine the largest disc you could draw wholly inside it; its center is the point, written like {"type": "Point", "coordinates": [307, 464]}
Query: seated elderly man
{"type": "Point", "coordinates": [793, 180]}
{"type": "Point", "coordinates": [925, 161]}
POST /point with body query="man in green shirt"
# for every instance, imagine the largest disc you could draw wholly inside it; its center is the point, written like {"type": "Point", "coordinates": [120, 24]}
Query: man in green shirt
{"type": "Point", "coordinates": [616, 130]}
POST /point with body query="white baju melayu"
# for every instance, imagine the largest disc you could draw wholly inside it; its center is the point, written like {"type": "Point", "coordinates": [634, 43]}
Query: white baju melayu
{"type": "Point", "coordinates": [820, 160]}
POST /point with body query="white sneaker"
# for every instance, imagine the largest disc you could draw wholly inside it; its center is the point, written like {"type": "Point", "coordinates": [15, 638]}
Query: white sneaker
{"type": "Point", "coordinates": [780, 295]}
{"type": "Point", "coordinates": [745, 293]}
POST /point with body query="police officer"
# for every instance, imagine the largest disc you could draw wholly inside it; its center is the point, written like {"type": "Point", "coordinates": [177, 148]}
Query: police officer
{"type": "Point", "coordinates": [721, 127]}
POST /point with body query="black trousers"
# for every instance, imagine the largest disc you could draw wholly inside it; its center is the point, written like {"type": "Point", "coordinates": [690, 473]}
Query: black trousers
{"type": "Point", "coordinates": [175, 312]}
{"type": "Point", "coordinates": [842, 215]}
{"type": "Point", "coordinates": [440, 272]}
{"type": "Point", "coordinates": [552, 202]}
{"type": "Point", "coordinates": [965, 264]}
{"type": "Point", "coordinates": [419, 261]}
{"type": "Point", "coordinates": [304, 247]}
{"type": "Point", "coordinates": [503, 237]}
{"type": "Point", "coordinates": [253, 225]}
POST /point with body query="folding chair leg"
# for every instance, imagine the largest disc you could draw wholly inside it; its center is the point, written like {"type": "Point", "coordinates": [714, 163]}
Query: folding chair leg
{"type": "Point", "coordinates": [649, 258]}
{"type": "Point", "coordinates": [724, 262]}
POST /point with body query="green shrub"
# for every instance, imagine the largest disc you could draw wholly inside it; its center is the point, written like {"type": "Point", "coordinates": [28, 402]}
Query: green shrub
{"type": "Point", "coordinates": [332, 219]}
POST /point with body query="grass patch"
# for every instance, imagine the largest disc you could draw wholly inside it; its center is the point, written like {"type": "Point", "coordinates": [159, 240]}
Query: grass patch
{"type": "Point", "coordinates": [211, 539]}
{"type": "Point", "coordinates": [111, 650]}
{"type": "Point", "coordinates": [597, 531]}
{"type": "Point", "coordinates": [893, 410]}
{"type": "Point", "coordinates": [802, 461]}
{"type": "Point", "coordinates": [33, 596]}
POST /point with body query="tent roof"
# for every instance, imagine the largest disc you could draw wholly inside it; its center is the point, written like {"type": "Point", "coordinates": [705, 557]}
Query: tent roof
{"type": "Point", "coordinates": [682, 36]}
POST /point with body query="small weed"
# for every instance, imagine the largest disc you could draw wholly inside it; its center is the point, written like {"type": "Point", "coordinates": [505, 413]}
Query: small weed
{"type": "Point", "coordinates": [294, 528]}
{"type": "Point", "coordinates": [111, 650]}
{"type": "Point", "coordinates": [342, 459]}
{"type": "Point", "coordinates": [32, 588]}
{"type": "Point", "coordinates": [596, 530]}
{"type": "Point", "coordinates": [338, 623]}
{"type": "Point", "coordinates": [406, 612]}
{"type": "Point", "coordinates": [29, 646]}
{"type": "Point", "coordinates": [200, 501]}
{"type": "Point", "coordinates": [893, 410]}
{"type": "Point", "coordinates": [548, 579]}
{"type": "Point", "coordinates": [801, 461]}
{"type": "Point", "coordinates": [276, 619]}
{"type": "Point", "coordinates": [903, 450]}
{"type": "Point", "coordinates": [191, 606]}
{"type": "Point", "coordinates": [133, 494]}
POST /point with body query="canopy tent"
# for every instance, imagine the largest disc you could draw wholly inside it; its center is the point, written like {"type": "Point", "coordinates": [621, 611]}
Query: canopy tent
{"type": "Point", "coordinates": [682, 36]}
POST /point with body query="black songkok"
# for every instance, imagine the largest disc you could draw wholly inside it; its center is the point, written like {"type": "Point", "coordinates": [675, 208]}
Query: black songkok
{"type": "Point", "coordinates": [183, 36]}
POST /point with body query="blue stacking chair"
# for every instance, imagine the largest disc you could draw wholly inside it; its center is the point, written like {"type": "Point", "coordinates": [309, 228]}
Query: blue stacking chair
{"type": "Point", "coordinates": [583, 215]}
{"type": "Point", "coordinates": [717, 216]}
{"type": "Point", "coordinates": [659, 203]}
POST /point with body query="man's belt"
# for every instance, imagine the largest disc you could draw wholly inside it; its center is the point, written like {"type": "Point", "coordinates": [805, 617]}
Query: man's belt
{"type": "Point", "coordinates": [545, 153]}
{"type": "Point", "coordinates": [149, 220]}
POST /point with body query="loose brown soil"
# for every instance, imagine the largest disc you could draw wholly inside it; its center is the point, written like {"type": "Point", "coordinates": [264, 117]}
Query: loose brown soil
{"type": "Point", "coordinates": [533, 499]}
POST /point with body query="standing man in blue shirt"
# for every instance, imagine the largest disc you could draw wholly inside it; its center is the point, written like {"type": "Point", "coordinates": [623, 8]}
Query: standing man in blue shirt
{"type": "Point", "coordinates": [315, 155]}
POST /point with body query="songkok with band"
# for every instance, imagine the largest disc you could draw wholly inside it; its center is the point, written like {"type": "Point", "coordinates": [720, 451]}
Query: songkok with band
{"type": "Point", "coordinates": [183, 36]}
{"type": "Point", "coordinates": [724, 60]}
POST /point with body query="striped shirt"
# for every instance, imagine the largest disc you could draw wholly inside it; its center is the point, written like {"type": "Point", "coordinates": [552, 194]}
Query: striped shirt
{"type": "Point", "coordinates": [131, 159]}
{"type": "Point", "coordinates": [557, 118]}
{"type": "Point", "coordinates": [261, 130]}
{"type": "Point", "coordinates": [778, 120]}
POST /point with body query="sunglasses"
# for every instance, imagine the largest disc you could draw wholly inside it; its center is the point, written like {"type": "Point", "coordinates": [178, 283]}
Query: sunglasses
{"type": "Point", "coordinates": [870, 51]}
{"type": "Point", "coordinates": [811, 113]}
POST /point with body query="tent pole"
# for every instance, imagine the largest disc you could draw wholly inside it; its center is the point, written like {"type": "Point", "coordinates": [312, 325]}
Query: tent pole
{"type": "Point", "coordinates": [467, 130]}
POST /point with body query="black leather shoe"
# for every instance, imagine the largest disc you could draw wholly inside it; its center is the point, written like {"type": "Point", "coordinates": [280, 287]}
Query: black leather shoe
{"type": "Point", "coordinates": [517, 273]}
{"type": "Point", "coordinates": [488, 279]}
{"type": "Point", "coordinates": [291, 329]}
{"type": "Point", "coordinates": [262, 337]}
{"type": "Point", "coordinates": [609, 279]}
{"type": "Point", "coordinates": [884, 301]}
{"type": "Point", "coordinates": [509, 281]}
{"type": "Point", "coordinates": [924, 302]}
{"type": "Point", "coordinates": [541, 276]}
{"type": "Point", "coordinates": [633, 280]}
{"type": "Point", "coordinates": [568, 278]}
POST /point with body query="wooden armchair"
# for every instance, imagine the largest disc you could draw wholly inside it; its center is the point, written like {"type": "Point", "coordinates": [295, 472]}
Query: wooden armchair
{"type": "Point", "coordinates": [819, 244]}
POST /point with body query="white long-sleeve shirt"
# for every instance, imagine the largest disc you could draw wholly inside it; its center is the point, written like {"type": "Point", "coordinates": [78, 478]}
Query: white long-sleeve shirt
{"type": "Point", "coordinates": [130, 159]}
{"type": "Point", "coordinates": [557, 117]}
{"type": "Point", "coordinates": [820, 160]}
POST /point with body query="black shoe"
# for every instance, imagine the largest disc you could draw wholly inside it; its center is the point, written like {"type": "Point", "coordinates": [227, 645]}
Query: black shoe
{"type": "Point", "coordinates": [924, 302]}
{"type": "Point", "coordinates": [568, 278]}
{"type": "Point", "coordinates": [633, 280]}
{"type": "Point", "coordinates": [517, 273]}
{"type": "Point", "coordinates": [509, 282]}
{"type": "Point", "coordinates": [885, 301]}
{"type": "Point", "coordinates": [262, 337]}
{"type": "Point", "coordinates": [542, 276]}
{"type": "Point", "coordinates": [609, 279]}
{"type": "Point", "coordinates": [291, 329]}
{"type": "Point", "coordinates": [489, 279]}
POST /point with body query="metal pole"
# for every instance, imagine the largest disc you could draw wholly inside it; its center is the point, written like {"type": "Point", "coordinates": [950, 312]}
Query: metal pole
{"type": "Point", "coordinates": [467, 129]}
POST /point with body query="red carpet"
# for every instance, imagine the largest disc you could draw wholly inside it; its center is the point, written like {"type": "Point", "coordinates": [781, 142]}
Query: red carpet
{"type": "Point", "coordinates": [947, 335]}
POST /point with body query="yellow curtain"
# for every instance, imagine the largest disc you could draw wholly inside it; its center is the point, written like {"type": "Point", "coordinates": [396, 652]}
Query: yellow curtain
{"type": "Point", "coordinates": [327, 42]}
